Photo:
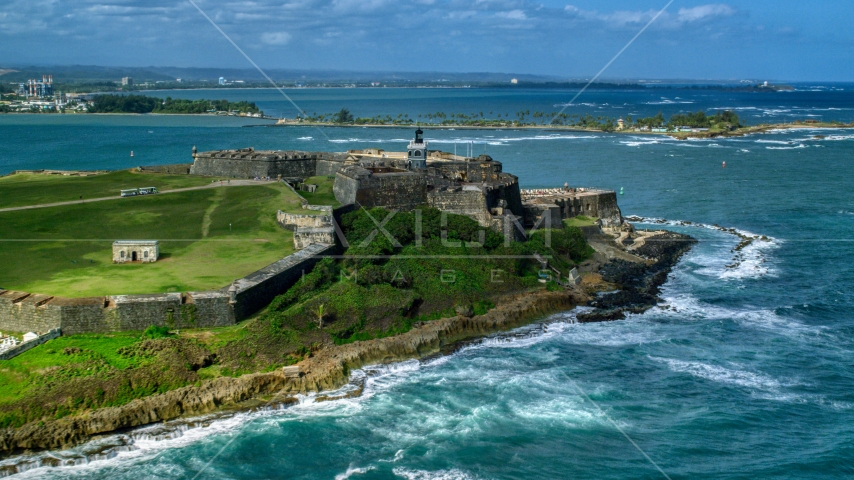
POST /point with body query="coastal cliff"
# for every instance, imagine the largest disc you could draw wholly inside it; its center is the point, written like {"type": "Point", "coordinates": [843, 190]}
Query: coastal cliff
{"type": "Point", "coordinates": [329, 368]}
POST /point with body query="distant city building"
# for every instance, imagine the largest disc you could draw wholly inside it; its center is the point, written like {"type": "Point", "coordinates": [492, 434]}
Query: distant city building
{"type": "Point", "coordinates": [222, 80]}
{"type": "Point", "coordinates": [127, 81]}
{"type": "Point", "coordinates": [34, 88]}
{"type": "Point", "coordinates": [621, 124]}
{"type": "Point", "coordinates": [178, 80]}
{"type": "Point", "coordinates": [514, 81]}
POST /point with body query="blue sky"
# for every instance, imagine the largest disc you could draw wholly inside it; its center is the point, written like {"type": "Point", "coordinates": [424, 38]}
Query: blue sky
{"type": "Point", "coordinates": [775, 40]}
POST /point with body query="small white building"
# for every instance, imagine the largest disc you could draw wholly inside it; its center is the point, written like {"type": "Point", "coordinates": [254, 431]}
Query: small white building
{"type": "Point", "coordinates": [143, 251]}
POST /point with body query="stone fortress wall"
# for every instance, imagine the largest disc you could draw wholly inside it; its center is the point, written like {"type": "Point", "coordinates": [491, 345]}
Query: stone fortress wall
{"type": "Point", "coordinates": [560, 203]}
{"type": "Point", "coordinates": [251, 163]}
{"type": "Point", "coordinates": [473, 186]}
{"type": "Point", "coordinates": [26, 312]}
{"type": "Point", "coordinates": [172, 169]}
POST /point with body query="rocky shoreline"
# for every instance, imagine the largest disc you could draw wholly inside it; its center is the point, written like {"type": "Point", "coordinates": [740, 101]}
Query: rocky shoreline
{"type": "Point", "coordinates": [639, 284]}
{"type": "Point", "coordinates": [330, 368]}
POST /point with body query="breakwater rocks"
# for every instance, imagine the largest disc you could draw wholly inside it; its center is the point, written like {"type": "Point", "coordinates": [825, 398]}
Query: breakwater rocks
{"type": "Point", "coordinates": [746, 239]}
{"type": "Point", "coordinates": [639, 283]}
{"type": "Point", "coordinates": [327, 369]}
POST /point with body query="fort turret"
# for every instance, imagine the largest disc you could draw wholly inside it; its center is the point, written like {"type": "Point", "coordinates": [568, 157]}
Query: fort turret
{"type": "Point", "coordinates": [417, 152]}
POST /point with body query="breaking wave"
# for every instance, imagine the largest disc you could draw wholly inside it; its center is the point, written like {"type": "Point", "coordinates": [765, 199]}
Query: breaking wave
{"type": "Point", "coordinates": [453, 474]}
{"type": "Point", "coordinates": [796, 147]}
{"type": "Point", "coordinates": [749, 257]}
{"type": "Point", "coordinates": [730, 376]}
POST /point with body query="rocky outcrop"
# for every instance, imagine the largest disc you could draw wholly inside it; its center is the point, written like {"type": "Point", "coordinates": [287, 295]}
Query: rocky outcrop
{"type": "Point", "coordinates": [327, 369]}
{"type": "Point", "coordinates": [639, 283]}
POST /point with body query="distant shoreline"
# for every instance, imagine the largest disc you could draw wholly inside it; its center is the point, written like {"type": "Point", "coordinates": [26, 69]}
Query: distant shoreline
{"type": "Point", "coordinates": [557, 128]}
{"type": "Point", "coordinates": [748, 130]}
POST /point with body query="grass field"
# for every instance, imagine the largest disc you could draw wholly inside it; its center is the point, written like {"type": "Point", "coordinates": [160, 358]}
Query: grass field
{"type": "Point", "coordinates": [580, 221]}
{"type": "Point", "coordinates": [323, 195]}
{"type": "Point", "coordinates": [33, 189]}
{"type": "Point", "coordinates": [208, 238]}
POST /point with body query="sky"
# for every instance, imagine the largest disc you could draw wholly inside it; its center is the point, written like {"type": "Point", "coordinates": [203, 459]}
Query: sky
{"type": "Point", "coordinates": [777, 40]}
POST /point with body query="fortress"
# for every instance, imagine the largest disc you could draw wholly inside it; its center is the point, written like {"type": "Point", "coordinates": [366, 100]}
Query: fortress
{"type": "Point", "coordinates": [476, 187]}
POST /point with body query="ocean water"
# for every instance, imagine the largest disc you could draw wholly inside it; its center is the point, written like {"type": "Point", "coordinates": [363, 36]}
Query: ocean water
{"type": "Point", "coordinates": [743, 371]}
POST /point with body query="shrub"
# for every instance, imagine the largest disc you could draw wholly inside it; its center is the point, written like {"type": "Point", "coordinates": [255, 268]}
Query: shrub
{"type": "Point", "coordinates": [154, 331]}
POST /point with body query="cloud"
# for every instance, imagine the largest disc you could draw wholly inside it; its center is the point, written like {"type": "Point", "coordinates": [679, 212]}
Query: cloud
{"type": "Point", "coordinates": [276, 38]}
{"type": "Point", "coordinates": [704, 12]}
{"type": "Point", "coordinates": [512, 15]}
{"type": "Point", "coordinates": [357, 6]}
{"type": "Point", "coordinates": [621, 19]}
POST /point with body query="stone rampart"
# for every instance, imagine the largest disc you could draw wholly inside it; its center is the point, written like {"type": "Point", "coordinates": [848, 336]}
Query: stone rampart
{"type": "Point", "coordinates": [257, 290]}
{"type": "Point", "coordinates": [83, 315]}
{"type": "Point", "coordinates": [318, 208]}
{"type": "Point", "coordinates": [138, 312]}
{"type": "Point", "coordinates": [601, 204]}
{"type": "Point", "coordinates": [173, 169]}
{"type": "Point", "coordinates": [249, 163]}
{"type": "Point", "coordinates": [25, 312]}
{"type": "Point", "coordinates": [307, 236]}
{"type": "Point", "coordinates": [468, 200]}
{"type": "Point", "coordinates": [207, 310]}
{"type": "Point", "coordinates": [292, 221]}
{"type": "Point", "coordinates": [397, 190]}
{"type": "Point", "coordinates": [327, 168]}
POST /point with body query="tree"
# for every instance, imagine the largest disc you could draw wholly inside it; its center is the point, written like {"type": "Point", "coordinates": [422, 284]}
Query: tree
{"type": "Point", "coordinates": [320, 315]}
{"type": "Point", "coordinates": [344, 116]}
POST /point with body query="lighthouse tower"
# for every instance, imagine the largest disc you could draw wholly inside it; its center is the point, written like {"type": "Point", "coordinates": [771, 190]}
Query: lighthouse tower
{"type": "Point", "coordinates": [417, 152]}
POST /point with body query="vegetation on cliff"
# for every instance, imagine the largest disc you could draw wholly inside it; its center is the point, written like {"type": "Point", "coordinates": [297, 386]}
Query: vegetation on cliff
{"type": "Point", "coordinates": [380, 288]}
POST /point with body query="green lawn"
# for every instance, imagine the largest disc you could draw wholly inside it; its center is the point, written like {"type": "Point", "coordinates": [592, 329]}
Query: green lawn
{"type": "Point", "coordinates": [208, 238]}
{"type": "Point", "coordinates": [323, 195]}
{"type": "Point", "coordinates": [580, 221]}
{"type": "Point", "coordinates": [33, 189]}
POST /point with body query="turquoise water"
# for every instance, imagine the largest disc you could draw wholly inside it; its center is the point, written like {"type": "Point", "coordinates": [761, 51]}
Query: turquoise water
{"type": "Point", "coordinates": [742, 372]}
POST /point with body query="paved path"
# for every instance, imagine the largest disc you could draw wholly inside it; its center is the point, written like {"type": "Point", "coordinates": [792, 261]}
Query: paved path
{"type": "Point", "coordinates": [234, 183]}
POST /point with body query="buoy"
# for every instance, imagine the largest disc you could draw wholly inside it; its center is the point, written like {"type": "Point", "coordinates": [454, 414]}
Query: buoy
{"type": "Point", "coordinates": [621, 190]}
{"type": "Point", "coordinates": [724, 165]}
{"type": "Point", "coordinates": [131, 153]}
